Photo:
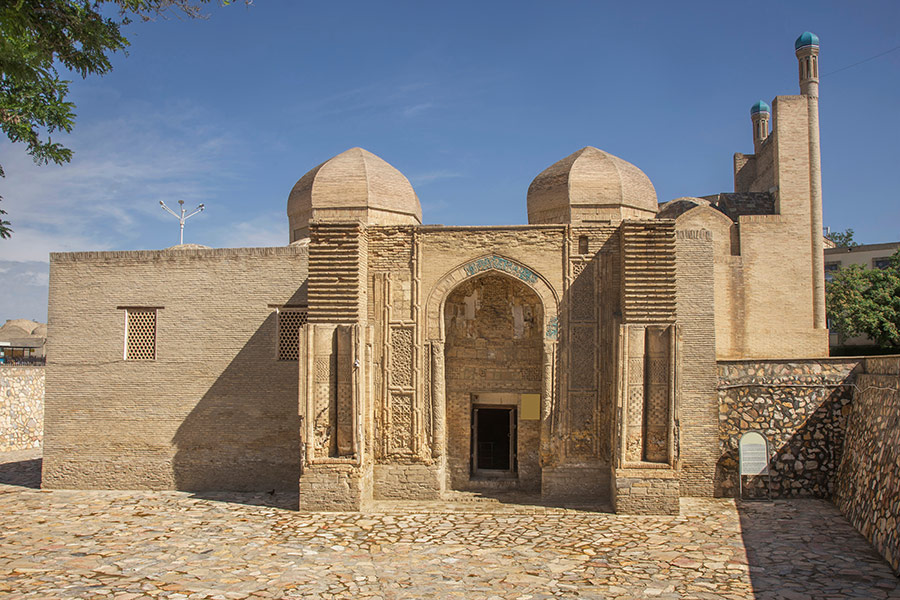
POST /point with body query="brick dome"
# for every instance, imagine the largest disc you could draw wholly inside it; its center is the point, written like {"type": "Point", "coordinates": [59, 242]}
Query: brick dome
{"type": "Point", "coordinates": [591, 186]}
{"type": "Point", "coordinates": [355, 185]}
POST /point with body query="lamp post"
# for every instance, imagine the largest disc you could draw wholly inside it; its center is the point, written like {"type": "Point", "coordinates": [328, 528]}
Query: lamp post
{"type": "Point", "coordinates": [181, 218]}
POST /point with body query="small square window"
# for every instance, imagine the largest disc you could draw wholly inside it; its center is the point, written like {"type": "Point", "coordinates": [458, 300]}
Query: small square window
{"type": "Point", "coordinates": [290, 321]}
{"type": "Point", "coordinates": [881, 263]}
{"type": "Point", "coordinates": [140, 334]}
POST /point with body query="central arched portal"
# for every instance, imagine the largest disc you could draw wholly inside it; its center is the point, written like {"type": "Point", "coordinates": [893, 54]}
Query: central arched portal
{"type": "Point", "coordinates": [493, 343]}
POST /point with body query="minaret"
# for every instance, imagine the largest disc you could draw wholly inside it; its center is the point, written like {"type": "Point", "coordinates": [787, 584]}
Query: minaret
{"type": "Point", "coordinates": [807, 50]}
{"type": "Point", "coordinates": [759, 114]}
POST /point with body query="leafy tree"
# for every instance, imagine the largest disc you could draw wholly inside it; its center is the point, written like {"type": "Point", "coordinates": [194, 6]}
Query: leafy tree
{"type": "Point", "coordinates": [842, 239]}
{"type": "Point", "coordinates": [5, 231]}
{"type": "Point", "coordinates": [863, 301]}
{"type": "Point", "coordinates": [37, 38]}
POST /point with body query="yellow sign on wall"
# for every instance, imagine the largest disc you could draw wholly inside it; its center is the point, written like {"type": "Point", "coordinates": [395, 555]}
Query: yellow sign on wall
{"type": "Point", "coordinates": [530, 407]}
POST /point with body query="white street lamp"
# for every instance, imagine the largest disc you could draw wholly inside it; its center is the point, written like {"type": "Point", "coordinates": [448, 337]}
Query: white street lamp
{"type": "Point", "coordinates": [181, 218]}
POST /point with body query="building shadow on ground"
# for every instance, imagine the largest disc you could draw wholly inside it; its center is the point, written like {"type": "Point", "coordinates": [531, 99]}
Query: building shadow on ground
{"type": "Point", "coordinates": [22, 473]}
{"type": "Point", "coordinates": [272, 498]}
{"type": "Point", "coordinates": [805, 548]}
{"type": "Point", "coordinates": [512, 499]}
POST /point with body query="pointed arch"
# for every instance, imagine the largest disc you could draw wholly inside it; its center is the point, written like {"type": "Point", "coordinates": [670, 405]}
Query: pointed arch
{"type": "Point", "coordinates": [434, 307]}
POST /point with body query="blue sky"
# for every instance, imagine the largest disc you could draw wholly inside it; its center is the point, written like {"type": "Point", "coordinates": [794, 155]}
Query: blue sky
{"type": "Point", "coordinates": [470, 100]}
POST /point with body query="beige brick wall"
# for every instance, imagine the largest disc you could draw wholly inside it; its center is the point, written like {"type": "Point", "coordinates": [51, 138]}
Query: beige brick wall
{"type": "Point", "coordinates": [756, 172]}
{"type": "Point", "coordinates": [406, 482]}
{"type": "Point", "coordinates": [698, 410]}
{"type": "Point", "coordinates": [646, 492]}
{"type": "Point", "coordinates": [777, 290]}
{"type": "Point", "coordinates": [215, 410]}
{"type": "Point", "coordinates": [764, 296]}
{"type": "Point", "coordinates": [416, 262]}
{"type": "Point", "coordinates": [538, 247]}
{"type": "Point", "coordinates": [405, 265]}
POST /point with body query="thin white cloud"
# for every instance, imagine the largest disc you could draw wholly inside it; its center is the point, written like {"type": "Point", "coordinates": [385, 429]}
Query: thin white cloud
{"type": "Point", "coordinates": [407, 99]}
{"type": "Point", "coordinates": [105, 197]}
{"type": "Point", "coordinates": [434, 207]}
{"type": "Point", "coordinates": [28, 244]}
{"type": "Point", "coordinates": [23, 293]}
{"type": "Point", "coordinates": [430, 176]}
{"type": "Point", "coordinates": [416, 109]}
{"type": "Point", "coordinates": [269, 229]}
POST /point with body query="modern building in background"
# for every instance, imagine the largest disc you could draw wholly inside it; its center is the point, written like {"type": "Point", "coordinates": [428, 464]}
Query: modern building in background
{"type": "Point", "coordinates": [374, 357]}
{"type": "Point", "coordinates": [870, 256]}
{"type": "Point", "coordinates": [22, 342]}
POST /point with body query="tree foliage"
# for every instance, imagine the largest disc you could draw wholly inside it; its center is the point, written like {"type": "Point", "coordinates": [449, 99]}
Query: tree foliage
{"type": "Point", "coordinates": [842, 239]}
{"type": "Point", "coordinates": [863, 301]}
{"type": "Point", "coordinates": [38, 38]}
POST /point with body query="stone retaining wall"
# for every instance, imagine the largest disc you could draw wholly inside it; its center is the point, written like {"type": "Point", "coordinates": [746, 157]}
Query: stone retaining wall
{"type": "Point", "coordinates": [800, 407]}
{"type": "Point", "coordinates": [868, 480]}
{"type": "Point", "coordinates": [21, 407]}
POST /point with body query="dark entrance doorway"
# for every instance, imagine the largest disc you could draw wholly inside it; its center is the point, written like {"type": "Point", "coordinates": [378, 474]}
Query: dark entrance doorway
{"type": "Point", "coordinates": [493, 348]}
{"type": "Point", "coordinates": [493, 441]}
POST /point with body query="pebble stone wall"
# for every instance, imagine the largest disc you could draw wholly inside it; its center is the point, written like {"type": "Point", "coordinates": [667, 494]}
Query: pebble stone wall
{"type": "Point", "coordinates": [21, 407]}
{"type": "Point", "coordinates": [868, 480]}
{"type": "Point", "coordinates": [800, 407]}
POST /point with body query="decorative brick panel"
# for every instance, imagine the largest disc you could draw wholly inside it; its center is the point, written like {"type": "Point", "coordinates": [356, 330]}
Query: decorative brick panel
{"type": "Point", "coordinates": [336, 272]}
{"type": "Point", "coordinates": [401, 372]}
{"type": "Point", "coordinates": [648, 268]}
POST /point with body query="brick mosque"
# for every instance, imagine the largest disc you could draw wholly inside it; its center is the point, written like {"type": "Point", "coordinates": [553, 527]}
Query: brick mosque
{"type": "Point", "coordinates": [374, 357]}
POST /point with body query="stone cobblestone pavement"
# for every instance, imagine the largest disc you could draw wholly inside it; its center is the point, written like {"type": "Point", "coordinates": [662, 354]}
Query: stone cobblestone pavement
{"type": "Point", "coordinates": [175, 545]}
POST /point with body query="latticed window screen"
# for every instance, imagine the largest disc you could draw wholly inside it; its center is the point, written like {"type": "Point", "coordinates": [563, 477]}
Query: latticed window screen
{"type": "Point", "coordinates": [140, 334]}
{"type": "Point", "coordinates": [289, 324]}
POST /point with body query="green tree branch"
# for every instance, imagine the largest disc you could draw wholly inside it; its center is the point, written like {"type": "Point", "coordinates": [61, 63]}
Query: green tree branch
{"type": "Point", "coordinates": [863, 301]}
{"type": "Point", "coordinates": [39, 36]}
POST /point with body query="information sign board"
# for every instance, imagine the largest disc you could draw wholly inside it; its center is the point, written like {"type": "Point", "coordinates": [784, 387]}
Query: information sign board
{"type": "Point", "coordinates": [754, 454]}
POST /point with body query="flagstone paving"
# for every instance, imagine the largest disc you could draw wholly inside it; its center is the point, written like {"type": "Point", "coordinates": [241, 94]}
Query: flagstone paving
{"type": "Point", "coordinates": [174, 545]}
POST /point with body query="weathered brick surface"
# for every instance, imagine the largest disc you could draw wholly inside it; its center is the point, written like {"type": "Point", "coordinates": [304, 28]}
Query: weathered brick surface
{"type": "Point", "coordinates": [698, 404]}
{"type": "Point", "coordinates": [410, 325]}
{"type": "Point", "coordinates": [766, 304]}
{"type": "Point", "coordinates": [407, 482]}
{"type": "Point", "coordinates": [494, 328]}
{"type": "Point", "coordinates": [21, 407]}
{"type": "Point", "coordinates": [355, 185]}
{"type": "Point", "coordinates": [215, 410]}
{"type": "Point", "coordinates": [335, 487]}
{"type": "Point", "coordinates": [646, 492]}
{"type": "Point", "coordinates": [576, 481]}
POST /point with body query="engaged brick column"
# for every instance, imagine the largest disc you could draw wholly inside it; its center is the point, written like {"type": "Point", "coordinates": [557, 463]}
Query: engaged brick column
{"type": "Point", "coordinates": [438, 396]}
{"type": "Point", "coordinates": [698, 401]}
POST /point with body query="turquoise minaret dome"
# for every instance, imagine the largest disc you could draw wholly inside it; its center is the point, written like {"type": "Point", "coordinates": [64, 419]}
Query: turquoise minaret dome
{"type": "Point", "coordinates": [760, 107]}
{"type": "Point", "coordinates": [807, 38]}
